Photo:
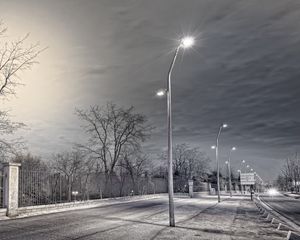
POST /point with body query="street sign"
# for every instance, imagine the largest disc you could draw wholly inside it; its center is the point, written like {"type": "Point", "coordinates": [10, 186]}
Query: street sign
{"type": "Point", "coordinates": [247, 178]}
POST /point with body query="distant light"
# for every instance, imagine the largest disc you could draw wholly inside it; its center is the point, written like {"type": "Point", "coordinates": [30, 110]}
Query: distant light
{"type": "Point", "coordinates": [226, 162]}
{"type": "Point", "coordinates": [225, 125]}
{"type": "Point", "coordinates": [187, 42]}
{"type": "Point", "coordinates": [248, 166]}
{"type": "Point", "coordinates": [160, 92]}
{"type": "Point", "coordinates": [251, 170]}
{"type": "Point", "coordinates": [239, 170]}
{"type": "Point", "coordinates": [213, 147]}
{"type": "Point", "coordinates": [273, 192]}
{"type": "Point", "coordinates": [243, 161]}
{"type": "Point", "coordinates": [233, 148]}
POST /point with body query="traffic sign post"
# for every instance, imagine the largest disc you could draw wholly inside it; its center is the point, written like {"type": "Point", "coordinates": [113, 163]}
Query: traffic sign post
{"type": "Point", "coordinates": [247, 179]}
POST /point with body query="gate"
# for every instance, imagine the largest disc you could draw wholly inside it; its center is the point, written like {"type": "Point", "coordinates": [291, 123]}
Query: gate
{"type": "Point", "coordinates": [41, 188]}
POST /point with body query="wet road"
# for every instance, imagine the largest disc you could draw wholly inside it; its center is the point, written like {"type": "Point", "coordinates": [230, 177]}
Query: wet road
{"type": "Point", "coordinates": [286, 206]}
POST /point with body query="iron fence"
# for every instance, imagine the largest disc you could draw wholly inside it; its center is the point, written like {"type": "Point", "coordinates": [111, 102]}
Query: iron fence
{"type": "Point", "coordinates": [1, 188]}
{"type": "Point", "coordinates": [41, 187]}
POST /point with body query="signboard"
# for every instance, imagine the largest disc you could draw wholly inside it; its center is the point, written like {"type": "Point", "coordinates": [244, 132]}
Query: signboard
{"type": "Point", "coordinates": [247, 179]}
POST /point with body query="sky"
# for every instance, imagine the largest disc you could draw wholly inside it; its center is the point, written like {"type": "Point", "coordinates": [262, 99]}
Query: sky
{"type": "Point", "coordinates": [242, 70]}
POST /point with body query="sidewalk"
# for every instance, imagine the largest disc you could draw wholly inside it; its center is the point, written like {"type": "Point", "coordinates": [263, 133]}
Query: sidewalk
{"type": "Point", "coordinates": [235, 218]}
{"type": "Point", "coordinates": [293, 195]}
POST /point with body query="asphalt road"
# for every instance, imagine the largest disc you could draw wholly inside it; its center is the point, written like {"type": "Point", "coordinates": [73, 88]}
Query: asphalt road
{"type": "Point", "coordinates": [286, 206]}
{"type": "Point", "coordinates": [131, 220]}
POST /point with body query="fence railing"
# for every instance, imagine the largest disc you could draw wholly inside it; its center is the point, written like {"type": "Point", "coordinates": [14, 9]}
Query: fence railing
{"type": "Point", "coordinates": [41, 187]}
{"type": "Point", "coordinates": [1, 188]}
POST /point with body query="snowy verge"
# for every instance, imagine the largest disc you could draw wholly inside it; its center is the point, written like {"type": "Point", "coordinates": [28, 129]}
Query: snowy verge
{"type": "Point", "coordinates": [61, 207]}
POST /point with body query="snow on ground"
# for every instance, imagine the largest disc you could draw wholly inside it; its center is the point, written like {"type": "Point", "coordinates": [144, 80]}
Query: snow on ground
{"type": "Point", "coordinates": [196, 218]}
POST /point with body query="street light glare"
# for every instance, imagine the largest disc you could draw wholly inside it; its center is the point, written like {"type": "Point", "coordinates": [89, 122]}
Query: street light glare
{"type": "Point", "coordinates": [160, 93]}
{"type": "Point", "coordinates": [226, 162]}
{"type": "Point", "coordinates": [225, 125]}
{"type": "Point", "coordinates": [213, 147]}
{"type": "Point", "coordinates": [187, 42]}
{"type": "Point", "coordinates": [243, 161]}
{"type": "Point", "coordinates": [233, 148]}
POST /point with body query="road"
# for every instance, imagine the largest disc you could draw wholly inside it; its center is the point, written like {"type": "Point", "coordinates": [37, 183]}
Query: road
{"type": "Point", "coordinates": [131, 220]}
{"type": "Point", "coordinates": [147, 219]}
{"type": "Point", "coordinates": [286, 206]}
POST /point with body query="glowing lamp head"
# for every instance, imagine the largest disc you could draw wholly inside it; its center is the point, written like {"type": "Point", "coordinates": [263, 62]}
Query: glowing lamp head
{"type": "Point", "coordinates": [248, 166]}
{"type": "Point", "coordinates": [243, 161]}
{"type": "Point", "coordinates": [161, 93]}
{"type": "Point", "coordinates": [225, 125]}
{"type": "Point", "coordinates": [187, 42]}
{"type": "Point", "coordinates": [226, 162]}
{"type": "Point", "coordinates": [213, 147]}
{"type": "Point", "coordinates": [233, 148]}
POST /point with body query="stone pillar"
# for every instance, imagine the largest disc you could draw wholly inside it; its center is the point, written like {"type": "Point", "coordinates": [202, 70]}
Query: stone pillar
{"type": "Point", "coordinates": [11, 188]}
{"type": "Point", "coordinates": [191, 188]}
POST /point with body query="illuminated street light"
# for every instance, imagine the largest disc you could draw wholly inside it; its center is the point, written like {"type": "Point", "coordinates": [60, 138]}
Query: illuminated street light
{"type": "Point", "coordinates": [224, 125]}
{"type": "Point", "coordinates": [229, 169]}
{"type": "Point", "coordinates": [161, 92]}
{"type": "Point", "coordinates": [187, 42]}
{"type": "Point", "coordinates": [184, 43]}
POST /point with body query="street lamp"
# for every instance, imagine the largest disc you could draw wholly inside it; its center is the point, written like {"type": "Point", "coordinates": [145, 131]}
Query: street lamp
{"type": "Point", "coordinates": [229, 170]}
{"type": "Point", "coordinates": [184, 43]}
{"type": "Point", "coordinates": [224, 125]}
{"type": "Point", "coordinates": [243, 165]}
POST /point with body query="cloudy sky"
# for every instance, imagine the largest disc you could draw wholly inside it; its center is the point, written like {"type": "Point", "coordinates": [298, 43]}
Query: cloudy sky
{"type": "Point", "coordinates": [243, 70]}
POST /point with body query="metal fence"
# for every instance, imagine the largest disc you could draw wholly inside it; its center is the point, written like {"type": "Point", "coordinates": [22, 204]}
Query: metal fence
{"type": "Point", "coordinates": [40, 187]}
{"type": "Point", "coordinates": [1, 188]}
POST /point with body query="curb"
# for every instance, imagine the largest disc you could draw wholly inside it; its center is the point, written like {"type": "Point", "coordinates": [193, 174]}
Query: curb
{"type": "Point", "coordinates": [280, 222]}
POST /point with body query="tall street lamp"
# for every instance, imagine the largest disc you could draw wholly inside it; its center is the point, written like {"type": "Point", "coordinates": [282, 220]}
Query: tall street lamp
{"type": "Point", "coordinates": [224, 125]}
{"type": "Point", "coordinates": [243, 165]}
{"type": "Point", "coordinates": [229, 169]}
{"type": "Point", "coordinates": [184, 43]}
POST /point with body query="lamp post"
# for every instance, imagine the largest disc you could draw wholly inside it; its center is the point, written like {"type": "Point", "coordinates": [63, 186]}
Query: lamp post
{"type": "Point", "coordinates": [243, 166]}
{"type": "Point", "coordinates": [224, 125]}
{"type": "Point", "coordinates": [239, 171]}
{"type": "Point", "coordinates": [229, 169]}
{"type": "Point", "coordinates": [184, 43]}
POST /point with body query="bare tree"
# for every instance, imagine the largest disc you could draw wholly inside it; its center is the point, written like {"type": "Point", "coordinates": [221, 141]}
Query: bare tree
{"type": "Point", "coordinates": [135, 164]}
{"type": "Point", "coordinates": [188, 163]}
{"type": "Point", "coordinates": [290, 172]}
{"type": "Point", "coordinates": [30, 162]}
{"type": "Point", "coordinates": [111, 129]}
{"type": "Point", "coordinates": [9, 147]}
{"type": "Point", "coordinates": [68, 164]}
{"type": "Point", "coordinates": [14, 58]}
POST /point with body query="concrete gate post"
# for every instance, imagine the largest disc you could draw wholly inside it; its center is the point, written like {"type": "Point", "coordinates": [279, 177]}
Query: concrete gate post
{"type": "Point", "coordinates": [11, 188]}
{"type": "Point", "coordinates": [191, 188]}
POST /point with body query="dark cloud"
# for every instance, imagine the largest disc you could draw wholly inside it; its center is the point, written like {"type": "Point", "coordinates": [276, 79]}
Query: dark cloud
{"type": "Point", "coordinates": [243, 69]}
